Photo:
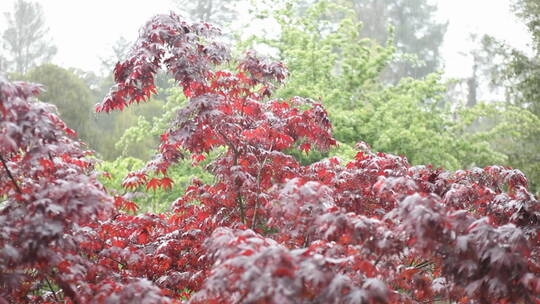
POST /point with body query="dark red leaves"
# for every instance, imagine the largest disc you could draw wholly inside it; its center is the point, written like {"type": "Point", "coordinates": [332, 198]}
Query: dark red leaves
{"type": "Point", "coordinates": [121, 203]}
{"type": "Point", "coordinates": [197, 158]}
{"type": "Point", "coordinates": [48, 195]}
{"type": "Point", "coordinates": [188, 62]}
{"type": "Point", "coordinates": [305, 147]}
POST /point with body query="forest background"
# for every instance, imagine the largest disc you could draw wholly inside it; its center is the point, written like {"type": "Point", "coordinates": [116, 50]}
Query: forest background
{"type": "Point", "coordinates": [375, 65]}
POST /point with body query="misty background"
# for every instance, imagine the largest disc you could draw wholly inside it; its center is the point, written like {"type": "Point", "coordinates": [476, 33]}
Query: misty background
{"type": "Point", "coordinates": [85, 32]}
{"type": "Point", "coordinates": [453, 83]}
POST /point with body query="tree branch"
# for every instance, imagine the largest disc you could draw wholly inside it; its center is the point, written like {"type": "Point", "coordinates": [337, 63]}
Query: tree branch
{"type": "Point", "coordinates": [10, 176]}
{"type": "Point", "coordinates": [52, 290]}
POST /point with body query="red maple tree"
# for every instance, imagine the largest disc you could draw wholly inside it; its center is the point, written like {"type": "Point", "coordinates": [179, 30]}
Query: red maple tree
{"type": "Point", "coordinates": [268, 230]}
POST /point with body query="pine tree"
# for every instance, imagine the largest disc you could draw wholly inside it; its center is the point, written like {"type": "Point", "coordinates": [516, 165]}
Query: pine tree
{"type": "Point", "coordinates": [416, 32]}
{"type": "Point", "coordinates": [25, 38]}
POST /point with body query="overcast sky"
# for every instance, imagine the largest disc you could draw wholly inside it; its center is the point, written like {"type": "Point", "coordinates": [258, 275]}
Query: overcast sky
{"type": "Point", "coordinates": [85, 30]}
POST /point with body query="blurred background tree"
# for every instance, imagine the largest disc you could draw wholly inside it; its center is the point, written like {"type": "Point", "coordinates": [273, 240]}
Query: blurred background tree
{"type": "Point", "coordinates": [219, 12]}
{"type": "Point", "coordinates": [71, 96]}
{"type": "Point", "coordinates": [416, 32]}
{"type": "Point", "coordinates": [518, 75]}
{"type": "Point", "coordinates": [26, 38]}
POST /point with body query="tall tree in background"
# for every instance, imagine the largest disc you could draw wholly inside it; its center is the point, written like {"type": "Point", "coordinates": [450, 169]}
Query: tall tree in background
{"type": "Point", "coordinates": [485, 60]}
{"type": "Point", "coordinates": [214, 11]}
{"type": "Point", "coordinates": [69, 93]}
{"type": "Point", "coordinates": [120, 50]}
{"type": "Point", "coordinates": [529, 11]}
{"type": "Point", "coordinates": [517, 71]}
{"type": "Point", "coordinates": [517, 74]}
{"type": "Point", "coordinates": [25, 38]}
{"type": "Point", "coordinates": [415, 28]}
{"type": "Point", "coordinates": [522, 73]}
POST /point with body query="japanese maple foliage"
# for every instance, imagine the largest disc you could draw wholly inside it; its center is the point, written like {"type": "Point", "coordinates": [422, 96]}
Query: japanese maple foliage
{"type": "Point", "coordinates": [268, 230]}
{"type": "Point", "coordinates": [49, 194]}
{"type": "Point", "coordinates": [51, 200]}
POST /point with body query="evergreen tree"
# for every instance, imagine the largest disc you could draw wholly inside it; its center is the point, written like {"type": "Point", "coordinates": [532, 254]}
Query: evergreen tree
{"type": "Point", "coordinates": [523, 71]}
{"type": "Point", "coordinates": [25, 38]}
{"type": "Point", "coordinates": [517, 73]}
{"type": "Point", "coordinates": [416, 33]}
{"type": "Point", "coordinates": [529, 11]}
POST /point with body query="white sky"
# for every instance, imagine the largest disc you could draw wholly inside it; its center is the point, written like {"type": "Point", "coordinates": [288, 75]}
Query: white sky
{"type": "Point", "coordinates": [85, 30]}
{"type": "Point", "coordinates": [492, 17]}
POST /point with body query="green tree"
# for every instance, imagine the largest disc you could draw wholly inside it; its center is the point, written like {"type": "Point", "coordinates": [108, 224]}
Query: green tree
{"type": "Point", "coordinates": [25, 38]}
{"type": "Point", "coordinates": [518, 73]}
{"type": "Point", "coordinates": [529, 12]}
{"type": "Point", "coordinates": [75, 93]}
{"type": "Point", "coordinates": [417, 35]}
{"type": "Point", "coordinates": [109, 129]}
{"type": "Point", "coordinates": [70, 94]}
{"type": "Point", "coordinates": [75, 101]}
{"type": "Point", "coordinates": [137, 144]}
{"type": "Point", "coordinates": [117, 135]}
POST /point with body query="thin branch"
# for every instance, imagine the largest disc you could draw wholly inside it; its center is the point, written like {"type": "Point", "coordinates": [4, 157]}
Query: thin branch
{"type": "Point", "coordinates": [257, 203]}
{"type": "Point", "coordinates": [240, 203]}
{"type": "Point", "coordinates": [52, 290]}
{"type": "Point", "coordinates": [239, 200]}
{"type": "Point", "coordinates": [115, 260]}
{"type": "Point", "coordinates": [66, 288]}
{"type": "Point", "coordinates": [378, 260]}
{"type": "Point", "coordinates": [10, 176]}
{"type": "Point", "coordinates": [306, 240]}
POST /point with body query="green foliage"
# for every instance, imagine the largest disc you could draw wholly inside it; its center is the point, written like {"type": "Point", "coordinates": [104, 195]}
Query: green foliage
{"type": "Point", "coordinates": [135, 139]}
{"type": "Point", "coordinates": [516, 72]}
{"type": "Point", "coordinates": [327, 58]}
{"type": "Point", "coordinates": [160, 200]}
{"type": "Point", "coordinates": [345, 152]}
{"type": "Point", "coordinates": [511, 131]}
{"type": "Point", "coordinates": [71, 96]}
{"type": "Point", "coordinates": [75, 94]}
{"type": "Point", "coordinates": [139, 140]}
{"type": "Point", "coordinates": [515, 125]}
{"type": "Point", "coordinates": [410, 26]}
{"type": "Point", "coordinates": [111, 128]}
{"type": "Point", "coordinates": [529, 12]}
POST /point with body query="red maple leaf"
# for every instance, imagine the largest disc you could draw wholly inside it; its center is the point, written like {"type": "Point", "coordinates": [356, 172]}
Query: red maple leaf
{"type": "Point", "coordinates": [153, 184]}
{"type": "Point", "coordinates": [166, 183]}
